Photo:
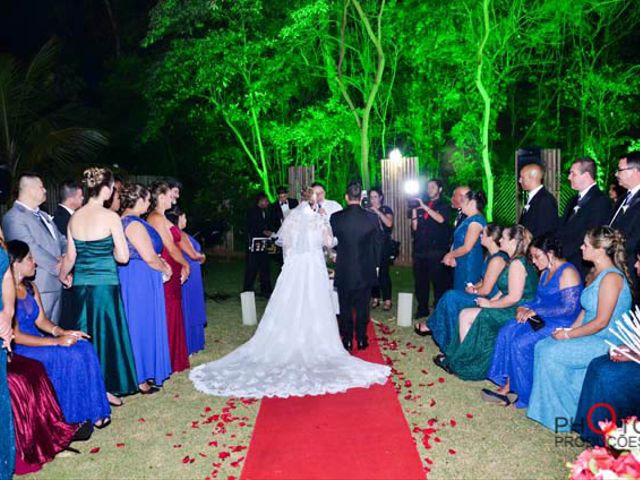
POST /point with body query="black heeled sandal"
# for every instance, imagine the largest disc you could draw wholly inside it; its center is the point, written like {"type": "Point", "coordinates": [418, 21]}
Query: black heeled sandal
{"type": "Point", "coordinates": [419, 331]}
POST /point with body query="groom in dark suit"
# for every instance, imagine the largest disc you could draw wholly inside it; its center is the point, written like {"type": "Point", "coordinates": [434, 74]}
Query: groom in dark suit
{"type": "Point", "coordinates": [590, 208]}
{"type": "Point", "coordinates": [356, 264]}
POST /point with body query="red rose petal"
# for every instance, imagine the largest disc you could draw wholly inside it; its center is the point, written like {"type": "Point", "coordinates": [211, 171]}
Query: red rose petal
{"type": "Point", "coordinates": [177, 446]}
{"type": "Point", "coordinates": [453, 422]}
{"type": "Point", "coordinates": [119, 445]}
{"type": "Point", "coordinates": [469, 415]}
{"type": "Point", "coordinates": [94, 450]}
{"type": "Point", "coordinates": [185, 459]}
{"type": "Point", "coordinates": [207, 409]}
{"type": "Point", "coordinates": [141, 420]}
{"type": "Point", "coordinates": [213, 443]}
{"type": "Point", "coordinates": [432, 402]}
{"type": "Point", "coordinates": [441, 379]}
{"type": "Point", "coordinates": [223, 455]}
{"type": "Point", "coordinates": [407, 383]}
{"type": "Point", "coordinates": [452, 451]}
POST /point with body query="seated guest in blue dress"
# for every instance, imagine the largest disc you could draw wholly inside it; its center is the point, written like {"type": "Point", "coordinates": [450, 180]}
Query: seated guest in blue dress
{"type": "Point", "coordinates": [443, 323]}
{"type": "Point", "coordinates": [613, 379]}
{"type": "Point", "coordinates": [466, 252]}
{"type": "Point", "coordinates": [74, 369]}
{"type": "Point", "coordinates": [561, 361]}
{"type": "Point", "coordinates": [143, 292]}
{"type": "Point", "coordinates": [557, 304]}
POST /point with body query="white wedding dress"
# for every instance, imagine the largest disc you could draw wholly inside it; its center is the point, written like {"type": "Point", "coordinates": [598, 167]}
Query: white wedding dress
{"type": "Point", "coordinates": [296, 349]}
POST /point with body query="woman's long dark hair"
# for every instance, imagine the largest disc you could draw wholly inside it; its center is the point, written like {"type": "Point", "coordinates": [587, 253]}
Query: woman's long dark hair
{"type": "Point", "coordinates": [18, 251]}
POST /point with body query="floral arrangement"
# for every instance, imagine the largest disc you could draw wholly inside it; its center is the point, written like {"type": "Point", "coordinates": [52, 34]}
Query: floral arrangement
{"type": "Point", "coordinates": [621, 460]}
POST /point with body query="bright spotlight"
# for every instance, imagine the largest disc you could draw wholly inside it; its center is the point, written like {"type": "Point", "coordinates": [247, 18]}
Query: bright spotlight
{"type": "Point", "coordinates": [395, 154]}
{"type": "Point", "coordinates": [412, 187]}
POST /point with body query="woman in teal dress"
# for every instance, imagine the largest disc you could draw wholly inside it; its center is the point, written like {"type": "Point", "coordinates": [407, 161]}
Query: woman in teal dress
{"type": "Point", "coordinates": [7, 441]}
{"type": "Point", "coordinates": [561, 361]}
{"type": "Point", "coordinates": [443, 323]}
{"type": "Point", "coordinates": [466, 252]}
{"type": "Point", "coordinates": [96, 241]}
{"type": "Point", "coordinates": [469, 355]}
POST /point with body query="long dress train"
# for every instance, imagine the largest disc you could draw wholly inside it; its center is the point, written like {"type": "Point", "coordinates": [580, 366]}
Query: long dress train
{"type": "Point", "coordinates": [296, 349]}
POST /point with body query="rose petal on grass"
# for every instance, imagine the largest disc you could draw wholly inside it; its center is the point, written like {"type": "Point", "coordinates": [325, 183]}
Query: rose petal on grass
{"type": "Point", "coordinates": [213, 443]}
{"type": "Point", "coordinates": [453, 423]}
{"type": "Point", "coordinates": [185, 459]}
{"type": "Point", "coordinates": [207, 409]}
{"type": "Point", "coordinates": [94, 450]}
{"type": "Point", "coordinates": [469, 415]}
{"type": "Point", "coordinates": [223, 455]}
{"type": "Point", "coordinates": [441, 379]}
{"type": "Point", "coordinates": [119, 445]}
{"type": "Point", "coordinates": [452, 451]}
{"type": "Point", "coordinates": [141, 420]}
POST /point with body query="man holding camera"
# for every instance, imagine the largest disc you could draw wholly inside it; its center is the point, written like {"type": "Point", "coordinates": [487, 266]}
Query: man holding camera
{"type": "Point", "coordinates": [431, 239]}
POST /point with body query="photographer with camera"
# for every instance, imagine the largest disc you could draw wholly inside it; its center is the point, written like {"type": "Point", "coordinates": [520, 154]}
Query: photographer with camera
{"type": "Point", "coordinates": [382, 215]}
{"type": "Point", "coordinates": [431, 241]}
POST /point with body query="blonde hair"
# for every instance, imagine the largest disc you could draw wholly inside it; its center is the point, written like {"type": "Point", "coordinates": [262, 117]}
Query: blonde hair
{"type": "Point", "coordinates": [522, 236]}
{"type": "Point", "coordinates": [614, 244]}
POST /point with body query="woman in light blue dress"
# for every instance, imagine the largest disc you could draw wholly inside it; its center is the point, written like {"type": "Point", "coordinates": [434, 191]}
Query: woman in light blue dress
{"type": "Point", "coordinates": [443, 322]}
{"type": "Point", "coordinates": [561, 361]}
{"type": "Point", "coordinates": [466, 251]}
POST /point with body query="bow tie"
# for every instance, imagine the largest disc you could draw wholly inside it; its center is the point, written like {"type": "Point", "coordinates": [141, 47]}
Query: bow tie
{"type": "Point", "coordinates": [283, 203]}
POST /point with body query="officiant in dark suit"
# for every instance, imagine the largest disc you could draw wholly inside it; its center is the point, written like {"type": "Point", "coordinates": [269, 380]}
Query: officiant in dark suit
{"type": "Point", "coordinates": [257, 259]}
{"type": "Point", "coordinates": [279, 210]}
{"type": "Point", "coordinates": [588, 209]}
{"type": "Point", "coordinates": [356, 262]}
{"type": "Point", "coordinates": [540, 213]}
{"type": "Point", "coordinates": [71, 198]}
{"type": "Point", "coordinates": [626, 214]}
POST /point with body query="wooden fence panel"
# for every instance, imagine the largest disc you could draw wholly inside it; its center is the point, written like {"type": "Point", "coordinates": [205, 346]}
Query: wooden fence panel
{"type": "Point", "coordinates": [300, 177]}
{"type": "Point", "coordinates": [395, 172]}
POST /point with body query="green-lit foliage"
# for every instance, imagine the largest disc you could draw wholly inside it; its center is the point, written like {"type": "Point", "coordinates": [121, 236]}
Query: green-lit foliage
{"type": "Point", "coordinates": [459, 84]}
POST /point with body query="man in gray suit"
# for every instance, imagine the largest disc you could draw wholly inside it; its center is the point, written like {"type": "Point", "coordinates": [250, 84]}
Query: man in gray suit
{"type": "Point", "coordinates": [25, 221]}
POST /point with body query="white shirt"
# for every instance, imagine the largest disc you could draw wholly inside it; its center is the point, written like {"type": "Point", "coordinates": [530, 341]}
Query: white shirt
{"type": "Point", "coordinates": [582, 193]}
{"type": "Point", "coordinates": [330, 206]}
{"type": "Point", "coordinates": [70, 210]}
{"type": "Point", "coordinates": [46, 219]}
{"type": "Point", "coordinates": [285, 209]}
{"type": "Point", "coordinates": [533, 192]}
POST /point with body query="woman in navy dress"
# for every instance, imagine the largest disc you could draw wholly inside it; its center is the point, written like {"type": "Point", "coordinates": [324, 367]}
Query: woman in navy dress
{"type": "Point", "coordinates": [557, 302]}
{"type": "Point", "coordinates": [193, 306]}
{"type": "Point", "coordinates": [142, 291]}
{"type": "Point", "coordinates": [466, 251]}
{"type": "Point", "coordinates": [443, 323]}
{"type": "Point", "coordinates": [561, 361]}
{"type": "Point", "coordinates": [7, 443]}
{"type": "Point", "coordinates": [74, 370]}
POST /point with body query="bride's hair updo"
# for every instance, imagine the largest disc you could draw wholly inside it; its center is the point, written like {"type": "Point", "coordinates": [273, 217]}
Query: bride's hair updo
{"type": "Point", "coordinates": [306, 194]}
{"type": "Point", "coordinates": [95, 179]}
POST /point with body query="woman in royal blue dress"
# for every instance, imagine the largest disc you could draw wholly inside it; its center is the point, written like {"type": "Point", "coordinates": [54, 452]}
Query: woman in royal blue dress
{"type": "Point", "coordinates": [443, 322]}
{"type": "Point", "coordinates": [466, 251]}
{"type": "Point", "coordinates": [557, 303]}
{"type": "Point", "coordinates": [142, 290]}
{"type": "Point", "coordinates": [73, 370]}
{"type": "Point", "coordinates": [7, 443]}
{"type": "Point", "coordinates": [193, 306]}
{"type": "Point", "coordinates": [561, 361]}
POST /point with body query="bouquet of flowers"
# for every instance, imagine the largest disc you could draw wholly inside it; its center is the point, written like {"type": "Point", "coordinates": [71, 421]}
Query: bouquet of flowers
{"type": "Point", "coordinates": [621, 460]}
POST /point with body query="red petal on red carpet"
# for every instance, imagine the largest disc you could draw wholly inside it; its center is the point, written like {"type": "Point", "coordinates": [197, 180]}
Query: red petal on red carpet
{"type": "Point", "coordinates": [359, 434]}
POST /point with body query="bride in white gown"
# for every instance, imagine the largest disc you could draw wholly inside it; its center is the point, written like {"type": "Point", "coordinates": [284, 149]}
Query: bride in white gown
{"type": "Point", "coordinates": [296, 349]}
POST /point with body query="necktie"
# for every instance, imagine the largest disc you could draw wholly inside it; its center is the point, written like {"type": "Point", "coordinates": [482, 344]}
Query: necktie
{"type": "Point", "coordinates": [39, 214]}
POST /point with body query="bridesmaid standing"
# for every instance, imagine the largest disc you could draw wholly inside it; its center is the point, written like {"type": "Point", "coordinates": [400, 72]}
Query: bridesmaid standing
{"type": "Point", "coordinates": [7, 443]}
{"type": "Point", "coordinates": [193, 306]}
{"type": "Point", "coordinates": [96, 242]}
{"type": "Point", "coordinates": [170, 234]}
{"type": "Point", "coordinates": [142, 291]}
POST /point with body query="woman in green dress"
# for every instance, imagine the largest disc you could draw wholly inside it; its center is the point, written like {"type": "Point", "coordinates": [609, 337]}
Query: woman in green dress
{"type": "Point", "coordinates": [469, 356]}
{"type": "Point", "coordinates": [93, 304]}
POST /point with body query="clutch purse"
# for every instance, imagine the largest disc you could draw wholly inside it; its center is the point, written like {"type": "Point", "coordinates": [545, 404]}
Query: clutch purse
{"type": "Point", "coordinates": [536, 322]}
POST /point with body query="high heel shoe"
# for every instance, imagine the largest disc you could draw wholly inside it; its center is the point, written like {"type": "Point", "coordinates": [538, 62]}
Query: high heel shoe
{"type": "Point", "coordinates": [118, 402]}
{"type": "Point", "coordinates": [419, 331]}
{"type": "Point", "coordinates": [105, 422]}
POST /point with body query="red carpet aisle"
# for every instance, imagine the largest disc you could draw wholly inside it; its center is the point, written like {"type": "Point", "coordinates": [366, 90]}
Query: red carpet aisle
{"type": "Point", "coordinates": [360, 434]}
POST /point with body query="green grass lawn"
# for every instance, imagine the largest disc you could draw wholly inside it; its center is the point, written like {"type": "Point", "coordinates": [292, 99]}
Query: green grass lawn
{"type": "Point", "coordinates": [180, 433]}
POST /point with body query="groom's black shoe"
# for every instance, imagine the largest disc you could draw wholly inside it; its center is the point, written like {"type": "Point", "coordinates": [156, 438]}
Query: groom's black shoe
{"type": "Point", "coordinates": [347, 345]}
{"type": "Point", "coordinates": [363, 344]}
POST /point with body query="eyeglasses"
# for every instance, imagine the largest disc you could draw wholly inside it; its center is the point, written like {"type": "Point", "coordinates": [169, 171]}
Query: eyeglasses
{"type": "Point", "coordinates": [623, 169]}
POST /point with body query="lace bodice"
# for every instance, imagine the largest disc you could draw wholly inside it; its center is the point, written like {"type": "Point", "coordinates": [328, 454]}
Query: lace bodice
{"type": "Point", "coordinates": [304, 231]}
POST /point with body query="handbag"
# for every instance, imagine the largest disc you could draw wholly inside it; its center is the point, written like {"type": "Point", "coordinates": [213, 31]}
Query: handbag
{"type": "Point", "coordinates": [536, 322]}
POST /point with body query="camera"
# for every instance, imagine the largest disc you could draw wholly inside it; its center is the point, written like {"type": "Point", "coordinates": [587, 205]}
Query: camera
{"type": "Point", "coordinates": [364, 200]}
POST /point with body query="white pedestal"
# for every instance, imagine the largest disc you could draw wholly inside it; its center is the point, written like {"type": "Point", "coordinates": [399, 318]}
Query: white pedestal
{"type": "Point", "coordinates": [248, 302]}
{"type": "Point", "coordinates": [405, 306]}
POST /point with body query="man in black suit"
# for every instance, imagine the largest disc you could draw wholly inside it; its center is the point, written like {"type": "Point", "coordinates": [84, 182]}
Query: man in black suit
{"type": "Point", "coordinates": [540, 213]}
{"type": "Point", "coordinates": [281, 207]}
{"type": "Point", "coordinates": [257, 259]}
{"type": "Point", "coordinates": [71, 198]}
{"type": "Point", "coordinates": [431, 242]}
{"type": "Point", "coordinates": [590, 208]}
{"type": "Point", "coordinates": [456, 202]}
{"type": "Point", "coordinates": [356, 262]}
{"type": "Point", "coordinates": [626, 213]}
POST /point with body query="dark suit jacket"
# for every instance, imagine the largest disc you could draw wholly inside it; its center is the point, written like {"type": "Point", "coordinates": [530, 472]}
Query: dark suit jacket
{"type": "Point", "coordinates": [61, 218]}
{"type": "Point", "coordinates": [276, 215]}
{"type": "Point", "coordinates": [257, 223]}
{"type": "Point", "coordinates": [629, 224]}
{"type": "Point", "coordinates": [594, 211]}
{"type": "Point", "coordinates": [542, 216]}
{"type": "Point", "coordinates": [357, 255]}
